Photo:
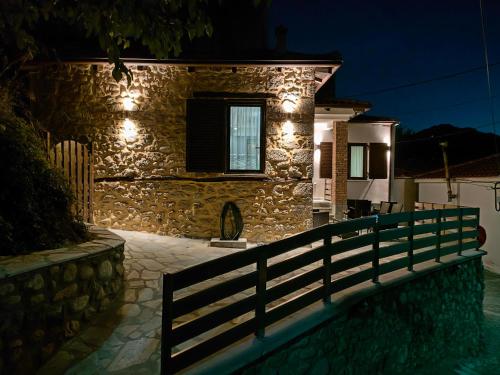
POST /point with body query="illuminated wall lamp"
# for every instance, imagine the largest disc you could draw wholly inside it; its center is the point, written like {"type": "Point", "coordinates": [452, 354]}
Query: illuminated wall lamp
{"type": "Point", "coordinates": [128, 104]}
{"type": "Point", "coordinates": [129, 130]}
{"type": "Point", "coordinates": [288, 106]}
{"type": "Point", "coordinates": [288, 130]}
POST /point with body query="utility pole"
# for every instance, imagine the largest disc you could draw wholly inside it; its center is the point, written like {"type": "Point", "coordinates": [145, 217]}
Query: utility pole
{"type": "Point", "coordinates": [451, 196]}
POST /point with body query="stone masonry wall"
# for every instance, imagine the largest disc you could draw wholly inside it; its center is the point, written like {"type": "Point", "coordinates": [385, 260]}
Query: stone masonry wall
{"type": "Point", "coordinates": [395, 332]}
{"type": "Point", "coordinates": [46, 296]}
{"type": "Point", "coordinates": [142, 183]}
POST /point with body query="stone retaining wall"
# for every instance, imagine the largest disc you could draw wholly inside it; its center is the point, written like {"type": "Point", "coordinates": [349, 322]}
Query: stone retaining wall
{"type": "Point", "coordinates": [46, 296]}
{"type": "Point", "coordinates": [394, 332]}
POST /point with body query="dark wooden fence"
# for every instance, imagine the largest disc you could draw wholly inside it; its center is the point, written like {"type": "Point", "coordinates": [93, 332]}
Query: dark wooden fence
{"type": "Point", "coordinates": [385, 244]}
{"type": "Point", "coordinates": [75, 161]}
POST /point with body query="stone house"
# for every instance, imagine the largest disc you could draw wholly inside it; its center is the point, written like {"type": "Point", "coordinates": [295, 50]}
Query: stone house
{"type": "Point", "coordinates": [188, 136]}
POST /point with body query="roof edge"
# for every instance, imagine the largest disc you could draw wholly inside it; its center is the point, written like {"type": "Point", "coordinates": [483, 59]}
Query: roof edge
{"type": "Point", "coordinates": [231, 62]}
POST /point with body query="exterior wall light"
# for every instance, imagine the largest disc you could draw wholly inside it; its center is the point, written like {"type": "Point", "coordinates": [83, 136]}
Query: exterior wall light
{"type": "Point", "coordinates": [387, 141]}
{"type": "Point", "coordinates": [319, 128]}
{"type": "Point", "coordinates": [288, 106]}
{"type": "Point", "coordinates": [128, 104]}
{"type": "Point", "coordinates": [288, 130]}
{"type": "Point", "coordinates": [317, 155]}
{"type": "Point", "coordinates": [129, 130]}
{"type": "Point", "coordinates": [289, 103]}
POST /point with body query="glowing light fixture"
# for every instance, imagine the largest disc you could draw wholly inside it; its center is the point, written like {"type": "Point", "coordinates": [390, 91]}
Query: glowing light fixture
{"type": "Point", "coordinates": [289, 103]}
{"type": "Point", "coordinates": [288, 130]}
{"type": "Point", "coordinates": [317, 155]}
{"type": "Point", "coordinates": [128, 103]}
{"type": "Point", "coordinates": [319, 128]}
{"type": "Point", "coordinates": [288, 106]}
{"type": "Point", "coordinates": [129, 130]}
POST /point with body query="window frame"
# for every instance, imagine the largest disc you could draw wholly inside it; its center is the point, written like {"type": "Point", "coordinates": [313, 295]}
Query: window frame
{"type": "Point", "coordinates": [365, 148]}
{"type": "Point", "coordinates": [262, 155]}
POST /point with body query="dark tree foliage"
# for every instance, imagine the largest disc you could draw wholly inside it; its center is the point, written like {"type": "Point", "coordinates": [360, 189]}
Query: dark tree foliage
{"type": "Point", "coordinates": [158, 25]}
{"type": "Point", "coordinates": [35, 200]}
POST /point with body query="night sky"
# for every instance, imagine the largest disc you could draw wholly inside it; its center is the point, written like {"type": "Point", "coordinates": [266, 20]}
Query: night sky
{"type": "Point", "coordinates": [390, 43]}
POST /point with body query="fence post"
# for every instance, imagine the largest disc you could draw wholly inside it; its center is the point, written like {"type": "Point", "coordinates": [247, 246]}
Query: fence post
{"type": "Point", "coordinates": [460, 231]}
{"type": "Point", "coordinates": [166, 324]}
{"type": "Point", "coordinates": [477, 227]}
{"type": "Point", "coordinates": [260, 307]}
{"type": "Point", "coordinates": [327, 276]}
{"type": "Point", "coordinates": [410, 242]}
{"type": "Point", "coordinates": [438, 235]}
{"type": "Point", "coordinates": [376, 252]}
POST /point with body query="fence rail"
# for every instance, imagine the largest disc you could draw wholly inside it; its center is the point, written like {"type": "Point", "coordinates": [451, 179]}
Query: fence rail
{"type": "Point", "coordinates": [274, 280]}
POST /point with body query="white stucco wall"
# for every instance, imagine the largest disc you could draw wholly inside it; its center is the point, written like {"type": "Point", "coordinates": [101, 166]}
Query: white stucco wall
{"type": "Point", "coordinates": [471, 194]}
{"type": "Point", "coordinates": [404, 190]}
{"type": "Point", "coordinates": [373, 190]}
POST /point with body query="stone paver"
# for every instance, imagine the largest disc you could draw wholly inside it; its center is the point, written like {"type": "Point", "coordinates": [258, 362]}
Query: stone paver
{"type": "Point", "coordinates": [126, 338]}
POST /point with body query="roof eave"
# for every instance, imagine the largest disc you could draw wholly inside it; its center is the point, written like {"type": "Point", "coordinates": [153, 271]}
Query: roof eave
{"type": "Point", "coordinates": [327, 63]}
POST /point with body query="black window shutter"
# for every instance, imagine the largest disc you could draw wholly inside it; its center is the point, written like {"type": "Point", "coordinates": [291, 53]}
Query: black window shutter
{"type": "Point", "coordinates": [325, 159]}
{"type": "Point", "coordinates": [378, 160]}
{"type": "Point", "coordinates": [205, 135]}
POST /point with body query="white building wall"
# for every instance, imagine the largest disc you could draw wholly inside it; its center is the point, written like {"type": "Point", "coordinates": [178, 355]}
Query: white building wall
{"type": "Point", "coordinates": [323, 132]}
{"type": "Point", "coordinates": [374, 190]}
{"type": "Point", "coordinates": [404, 190]}
{"type": "Point", "coordinates": [471, 194]}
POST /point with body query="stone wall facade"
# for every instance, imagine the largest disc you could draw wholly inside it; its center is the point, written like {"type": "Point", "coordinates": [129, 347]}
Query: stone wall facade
{"type": "Point", "coordinates": [394, 332]}
{"type": "Point", "coordinates": [46, 296]}
{"type": "Point", "coordinates": [142, 183]}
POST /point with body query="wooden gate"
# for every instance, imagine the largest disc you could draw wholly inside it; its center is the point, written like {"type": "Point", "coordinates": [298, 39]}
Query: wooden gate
{"type": "Point", "coordinates": [76, 162]}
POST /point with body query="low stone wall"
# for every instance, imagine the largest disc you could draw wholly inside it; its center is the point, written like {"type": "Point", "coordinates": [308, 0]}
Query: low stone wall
{"type": "Point", "coordinates": [393, 332]}
{"type": "Point", "coordinates": [46, 296]}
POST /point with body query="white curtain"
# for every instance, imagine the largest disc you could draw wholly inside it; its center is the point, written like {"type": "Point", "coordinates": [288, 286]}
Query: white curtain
{"type": "Point", "coordinates": [357, 159]}
{"type": "Point", "coordinates": [244, 135]}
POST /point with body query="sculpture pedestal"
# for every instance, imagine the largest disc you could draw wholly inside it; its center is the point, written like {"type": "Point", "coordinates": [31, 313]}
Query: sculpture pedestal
{"type": "Point", "coordinates": [240, 243]}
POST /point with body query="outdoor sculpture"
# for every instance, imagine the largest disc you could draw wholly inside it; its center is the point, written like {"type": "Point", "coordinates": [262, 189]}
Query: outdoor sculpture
{"type": "Point", "coordinates": [231, 222]}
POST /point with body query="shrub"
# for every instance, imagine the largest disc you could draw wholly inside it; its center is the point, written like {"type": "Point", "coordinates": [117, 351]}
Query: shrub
{"type": "Point", "coordinates": [35, 200]}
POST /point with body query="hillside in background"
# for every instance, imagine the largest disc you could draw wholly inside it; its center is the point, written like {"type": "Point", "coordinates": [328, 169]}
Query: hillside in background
{"type": "Point", "coordinates": [418, 152]}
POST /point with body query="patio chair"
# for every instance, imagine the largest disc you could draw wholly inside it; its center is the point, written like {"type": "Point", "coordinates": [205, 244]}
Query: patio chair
{"type": "Point", "coordinates": [358, 208]}
{"type": "Point", "coordinates": [397, 208]}
{"type": "Point", "coordinates": [385, 208]}
{"type": "Point", "coordinates": [394, 208]}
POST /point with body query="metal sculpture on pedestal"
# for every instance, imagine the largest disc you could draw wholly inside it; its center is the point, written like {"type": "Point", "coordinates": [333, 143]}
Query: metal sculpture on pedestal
{"type": "Point", "coordinates": [231, 222]}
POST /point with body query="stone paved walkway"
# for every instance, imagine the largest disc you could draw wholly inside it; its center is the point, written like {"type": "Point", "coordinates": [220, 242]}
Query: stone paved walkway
{"type": "Point", "coordinates": [126, 338]}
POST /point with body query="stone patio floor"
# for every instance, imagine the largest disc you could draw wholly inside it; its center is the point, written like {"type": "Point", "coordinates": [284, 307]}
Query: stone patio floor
{"type": "Point", "coordinates": [126, 338]}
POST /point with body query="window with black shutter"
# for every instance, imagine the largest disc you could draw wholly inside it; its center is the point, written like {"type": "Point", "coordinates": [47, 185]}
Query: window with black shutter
{"type": "Point", "coordinates": [205, 135]}
{"type": "Point", "coordinates": [325, 159]}
{"type": "Point", "coordinates": [378, 161]}
{"type": "Point", "coordinates": [225, 136]}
